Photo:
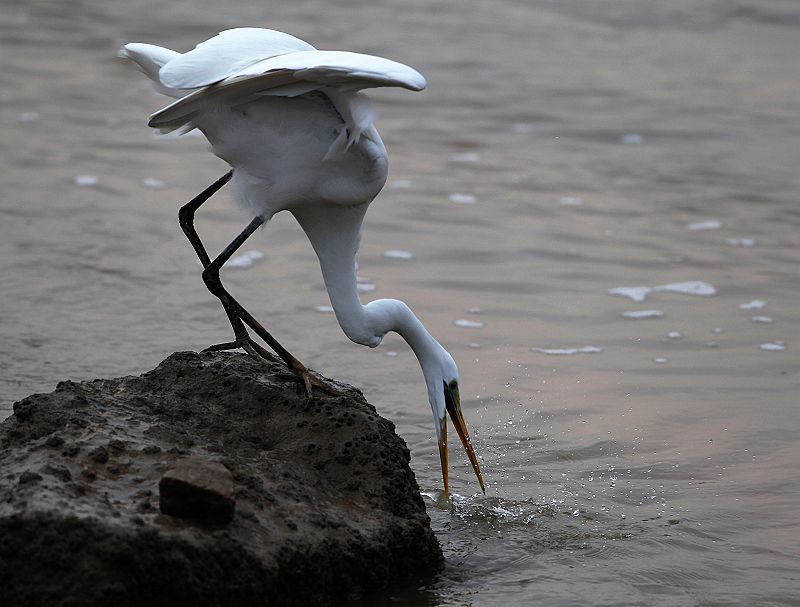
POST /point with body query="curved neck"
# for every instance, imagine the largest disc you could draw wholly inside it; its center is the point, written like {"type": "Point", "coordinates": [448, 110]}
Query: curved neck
{"type": "Point", "coordinates": [335, 234]}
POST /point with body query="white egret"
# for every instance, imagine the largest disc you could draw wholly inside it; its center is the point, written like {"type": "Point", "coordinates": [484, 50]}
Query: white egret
{"type": "Point", "coordinates": [297, 132]}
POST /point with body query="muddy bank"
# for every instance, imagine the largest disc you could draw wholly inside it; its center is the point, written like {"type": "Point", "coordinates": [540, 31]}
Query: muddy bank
{"type": "Point", "coordinates": [326, 507]}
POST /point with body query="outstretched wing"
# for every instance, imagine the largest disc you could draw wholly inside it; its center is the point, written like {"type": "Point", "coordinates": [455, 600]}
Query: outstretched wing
{"type": "Point", "coordinates": [289, 74]}
{"type": "Point", "coordinates": [226, 54]}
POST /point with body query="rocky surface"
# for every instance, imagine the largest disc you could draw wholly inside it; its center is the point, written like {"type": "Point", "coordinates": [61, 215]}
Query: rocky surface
{"type": "Point", "coordinates": [326, 507]}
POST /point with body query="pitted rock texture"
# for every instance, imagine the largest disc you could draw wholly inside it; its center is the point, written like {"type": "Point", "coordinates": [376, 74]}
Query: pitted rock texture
{"type": "Point", "coordinates": [327, 507]}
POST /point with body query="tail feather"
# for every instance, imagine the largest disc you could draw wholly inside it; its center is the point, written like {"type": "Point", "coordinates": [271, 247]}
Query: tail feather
{"type": "Point", "coordinates": [150, 58]}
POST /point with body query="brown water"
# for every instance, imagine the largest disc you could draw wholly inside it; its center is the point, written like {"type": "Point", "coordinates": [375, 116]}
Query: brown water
{"type": "Point", "coordinates": [659, 470]}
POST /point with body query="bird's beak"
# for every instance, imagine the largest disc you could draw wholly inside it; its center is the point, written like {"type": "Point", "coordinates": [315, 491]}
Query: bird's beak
{"type": "Point", "coordinates": [453, 404]}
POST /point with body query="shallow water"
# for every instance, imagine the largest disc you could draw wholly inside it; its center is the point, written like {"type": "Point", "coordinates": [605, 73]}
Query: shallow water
{"type": "Point", "coordinates": [562, 150]}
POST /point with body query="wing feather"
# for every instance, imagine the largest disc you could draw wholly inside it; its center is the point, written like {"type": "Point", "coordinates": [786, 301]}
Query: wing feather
{"type": "Point", "coordinates": [226, 54]}
{"type": "Point", "coordinates": [342, 71]}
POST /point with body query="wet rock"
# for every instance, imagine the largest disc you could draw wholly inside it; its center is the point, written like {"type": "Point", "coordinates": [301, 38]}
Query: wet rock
{"type": "Point", "coordinates": [29, 477]}
{"type": "Point", "coordinates": [326, 507]}
{"type": "Point", "coordinates": [197, 489]}
{"type": "Point", "coordinates": [99, 455]}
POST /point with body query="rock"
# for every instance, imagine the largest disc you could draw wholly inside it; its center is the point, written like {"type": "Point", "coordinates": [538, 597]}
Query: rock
{"type": "Point", "coordinates": [327, 508]}
{"type": "Point", "coordinates": [197, 489]}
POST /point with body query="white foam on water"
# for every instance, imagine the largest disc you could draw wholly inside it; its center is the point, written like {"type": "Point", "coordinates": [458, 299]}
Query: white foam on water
{"type": "Point", "coordinates": [86, 180]}
{"type": "Point", "coordinates": [460, 198]}
{"type": "Point", "coordinates": [675, 335]}
{"type": "Point", "coordinates": [27, 117]}
{"type": "Point", "coordinates": [777, 346]}
{"type": "Point", "coordinates": [710, 224]}
{"type": "Point", "coordinates": [755, 304]}
{"type": "Point", "coordinates": [570, 201]}
{"type": "Point", "coordinates": [660, 360]}
{"type": "Point", "coordinates": [741, 242]}
{"type": "Point", "coordinates": [474, 345]}
{"type": "Point", "coordinates": [767, 320]}
{"type": "Point", "coordinates": [634, 293]}
{"type": "Point", "coordinates": [466, 157]}
{"type": "Point", "coordinates": [391, 354]}
{"type": "Point", "coordinates": [718, 330]}
{"type": "Point", "coordinates": [324, 309]}
{"type": "Point", "coordinates": [475, 310]}
{"type": "Point", "coordinates": [568, 351]}
{"type": "Point", "coordinates": [643, 314]}
{"type": "Point", "coordinates": [468, 324]}
{"type": "Point", "coordinates": [245, 260]}
{"type": "Point", "coordinates": [153, 183]}
{"type": "Point", "coordinates": [691, 287]}
{"type": "Point", "coordinates": [521, 127]}
{"type": "Point", "coordinates": [366, 287]}
{"type": "Point", "coordinates": [397, 254]}
{"type": "Point", "coordinates": [400, 184]}
{"type": "Point", "coordinates": [632, 139]}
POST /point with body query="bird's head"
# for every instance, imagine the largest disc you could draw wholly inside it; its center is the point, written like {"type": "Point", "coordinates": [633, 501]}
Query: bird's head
{"type": "Point", "coordinates": [441, 377]}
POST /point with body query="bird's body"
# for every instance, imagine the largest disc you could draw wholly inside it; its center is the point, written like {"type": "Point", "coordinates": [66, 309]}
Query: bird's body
{"type": "Point", "coordinates": [293, 125]}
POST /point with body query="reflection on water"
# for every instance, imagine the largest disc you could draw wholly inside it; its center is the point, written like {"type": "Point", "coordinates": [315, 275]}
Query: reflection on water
{"type": "Point", "coordinates": [594, 205]}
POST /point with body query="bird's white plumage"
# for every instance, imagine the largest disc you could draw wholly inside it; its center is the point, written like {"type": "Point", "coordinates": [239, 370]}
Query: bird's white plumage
{"type": "Point", "coordinates": [226, 54]}
{"type": "Point", "coordinates": [292, 123]}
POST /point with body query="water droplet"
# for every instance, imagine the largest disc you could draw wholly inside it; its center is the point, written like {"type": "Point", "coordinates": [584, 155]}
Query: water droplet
{"type": "Point", "coordinates": [466, 157]}
{"type": "Point", "coordinates": [28, 117]}
{"type": "Point", "coordinates": [152, 183]}
{"type": "Point", "coordinates": [245, 260]}
{"type": "Point", "coordinates": [643, 314]}
{"type": "Point", "coordinates": [741, 242]}
{"type": "Point", "coordinates": [397, 254]}
{"type": "Point", "coordinates": [691, 287]}
{"type": "Point", "coordinates": [469, 324]}
{"type": "Point", "coordinates": [86, 180]}
{"type": "Point", "coordinates": [459, 198]}
{"type": "Point", "coordinates": [568, 351]}
{"type": "Point", "coordinates": [755, 304]}
{"type": "Point", "coordinates": [632, 139]}
{"type": "Point", "coordinates": [634, 293]}
{"type": "Point", "coordinates": [699, 226]}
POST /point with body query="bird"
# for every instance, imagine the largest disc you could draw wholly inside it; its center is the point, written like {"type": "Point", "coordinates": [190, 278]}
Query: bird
{"type": "Point", "coordinates": [297, 131]}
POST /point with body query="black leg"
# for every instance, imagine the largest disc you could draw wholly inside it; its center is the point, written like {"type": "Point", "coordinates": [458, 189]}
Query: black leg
{"type": "Point", "coordinates": [214, 283]}
{"type": "Point", "coordinates": [186, 220]}
{"type": "Point", "coordinates": [236, 313]}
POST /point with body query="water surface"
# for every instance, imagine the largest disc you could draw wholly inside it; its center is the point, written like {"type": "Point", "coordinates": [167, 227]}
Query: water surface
{"type": "Point", "coordinates": [562, 150]}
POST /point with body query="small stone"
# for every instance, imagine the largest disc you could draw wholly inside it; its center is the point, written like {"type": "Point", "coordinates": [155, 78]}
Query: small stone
{"type": "Point", "coordinates": [116, 445]}
{"type": "Point", "coordinates": [29, 477]}
{"type": "Point", "coordinates": [99, 455]}
{"type": "Point", "coordinates": [151, 449]}
{"type": "Point", "coordinates": [197, 489]}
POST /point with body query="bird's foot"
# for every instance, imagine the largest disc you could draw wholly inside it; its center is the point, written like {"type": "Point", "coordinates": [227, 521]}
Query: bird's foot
{"type": "Point", "coordinates": [312, 379]}
{"type": "Point", "coordinates": [248, 345]}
